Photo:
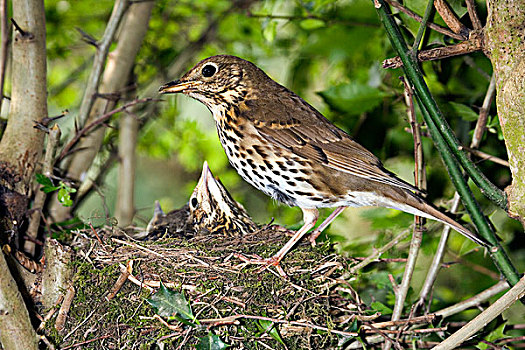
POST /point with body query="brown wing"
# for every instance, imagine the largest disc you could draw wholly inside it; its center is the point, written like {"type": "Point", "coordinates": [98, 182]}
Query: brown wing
{"type": "Point", "coordinates": [295, 125]}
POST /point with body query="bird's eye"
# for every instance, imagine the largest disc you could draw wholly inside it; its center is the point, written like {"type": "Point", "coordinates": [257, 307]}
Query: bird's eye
{"type": "Point", "coordinates": [209, 70]}
{"type": "Point", "coordinates": [194, 203]}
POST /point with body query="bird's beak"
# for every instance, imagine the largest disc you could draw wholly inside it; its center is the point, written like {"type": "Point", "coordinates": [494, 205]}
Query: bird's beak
{"type": "Point", "coordinates": [177, 86]}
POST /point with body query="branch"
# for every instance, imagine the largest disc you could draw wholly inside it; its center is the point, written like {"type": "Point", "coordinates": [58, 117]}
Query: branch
{"type": "Point", "coordinates": [431, 25]}
{"type": "Point", "coordinates": [448, 147]}
{"type": "Point", "coordinates": [40, 197]}
{"type": "Point", "coordinates": [417, 234]}
{"type": "Point", "coordinates": [450, 18]}
{"type": "Point", "coordinates": [476, 300]}
{"type": "Point", "coordinates": [493, 311]}
{"type": "Point", "coordinates": [473, 14]}
{"type": "Point", "coordinates": [475, 43]}
{"type": "Point", "coordinates": [100, 60]}
{"type": "Point", "coordinates": [4, 32]}
{"type": "Point", "coordinates": [97, 122]}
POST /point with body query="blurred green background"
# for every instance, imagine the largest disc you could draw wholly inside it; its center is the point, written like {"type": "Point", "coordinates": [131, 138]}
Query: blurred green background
{"type": "Point", "coordinates": [328, 52]}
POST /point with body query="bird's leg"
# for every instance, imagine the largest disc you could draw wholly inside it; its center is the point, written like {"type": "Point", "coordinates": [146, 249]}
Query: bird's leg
{"type": "Point", "coordinates": [325, 224]}
{"type": "Point", "coordinates": [309, 217]}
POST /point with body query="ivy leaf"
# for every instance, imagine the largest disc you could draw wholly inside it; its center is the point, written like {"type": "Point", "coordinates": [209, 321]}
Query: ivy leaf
{"type": "Point", "coordinates": [269, 327]}
{"type": "Point", "coordinates": [353, 98]}
{"type": "Point", "coordinates": [211, 342]}
{"type": "Point", "coordinates": [171, 305]}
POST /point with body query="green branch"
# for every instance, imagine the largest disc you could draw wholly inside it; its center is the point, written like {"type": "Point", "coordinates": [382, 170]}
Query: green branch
{"type": "Point", "coordinates": [415, 77]}
{"type": "Point", "coordinates": [448, 147]}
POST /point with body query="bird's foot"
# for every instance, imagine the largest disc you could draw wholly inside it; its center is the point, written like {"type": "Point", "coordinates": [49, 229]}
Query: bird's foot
{"type": "Point", "coordinates": [266, 262]}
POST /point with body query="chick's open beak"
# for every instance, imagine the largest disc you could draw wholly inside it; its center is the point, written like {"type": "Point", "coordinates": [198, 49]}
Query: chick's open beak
{"type": "Point", "coordinates": [176, 86]}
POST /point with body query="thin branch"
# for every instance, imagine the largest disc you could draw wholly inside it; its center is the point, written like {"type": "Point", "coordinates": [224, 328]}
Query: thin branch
{"type": "Point", "coordinates": [431, 25]}
{"type": "Point", "coordinates": [4, 32]}
{"type": "Point", "coordinates": [486, 156]}
{"type": "Point", "coordinates": [474, 301]}
{"type": "Point", "coordinates": [40, 197]}
{"type": "Point", "coordinates": [475, 43]}
{"type": "Point", "coordinates": [100, 60]}
{"type": "Point", "coordinates": [417, 234]}
{"type": "Point", "coordinates": [473, 14]}
{"type": "Point", "coordinates": [450, 18]}
{"type": "Point", "coordinates": [493, 311]}
{"type": "Point", "coordinates": [376, 254]}
{"type": "Point", "coordinates": [481, 124]}
{"type": "Point", "coordinates": [422, 27]}
{"type": "Point", "coordinates": [98, 122]}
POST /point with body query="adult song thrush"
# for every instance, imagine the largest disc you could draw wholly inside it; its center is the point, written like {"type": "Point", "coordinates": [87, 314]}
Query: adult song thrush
{"type": "Point", "coordinates": [284, 147]}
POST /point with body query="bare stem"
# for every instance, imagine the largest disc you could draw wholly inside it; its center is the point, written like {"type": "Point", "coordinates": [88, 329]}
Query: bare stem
{"type": "Point", "coordinates": [480, 321]}
{"type": "Point", "coordinates": [100, 60]}
{"type": "Point", "coordinates": [40, 197]}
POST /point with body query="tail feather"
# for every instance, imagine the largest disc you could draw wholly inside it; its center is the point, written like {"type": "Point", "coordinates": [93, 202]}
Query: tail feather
{"type": "Point", "coordinates": [419, 207]}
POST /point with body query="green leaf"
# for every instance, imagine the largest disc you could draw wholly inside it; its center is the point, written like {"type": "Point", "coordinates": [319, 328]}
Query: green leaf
{"type": "Point", "coordinates": [64, 197]}
{"type": "Point", "coordinates": [311, 24]}
{"type": "Point", "coordinates": [48, 189]}
{"type": "Point", "coordinates": [496, 334]}
{"type": "Point", "coordinates": [382, 308]}
{"type": "Point", "coordinates": [353, 98]}
{"type": "Point", "coordinates": [211, 342]}
{"type": "Point", "coordinates": [170, 304]}
{"type": "Point", "coordinates": [270, 31]}
{"type": "Point", "coordinates": [269, 327]}
{"type": "Point", "coordinates": [463, 111]}
{"type": "Point", "coordinates": [43, 180]}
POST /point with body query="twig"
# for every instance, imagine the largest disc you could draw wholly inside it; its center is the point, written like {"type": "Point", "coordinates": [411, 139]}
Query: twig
{"type": "Point", "coordinates": [76, 345]}
{"type": "Point", "coordinates": [418, 18]}
{"type": "Point", "coordinates": [99, 60]}
{"type": "Point", "coordinates": [422, 27]}
{"type": "Point", "coordinates": [122, 278]}
{"type": "Point", "coordinates": [480, 321]}
{"type": "Point", "coordinates": [486, 156]}
{"type": "Point", "coordinates": [97, 122]}
{"type": "Point", "coordinates": [450, 18]}
{"type": "Point", "coordinates": [4, 32]}
{"type": "Point", "coordinates": [22, 32]}
{"type": "Point", "coordinates": [377, 253]}
{"type": "Point", "coordinates": [473, 14]}
{"type": "Point", "coordinates": [481, 124]}
{"type": "Point", "coordinates": [417, 234]}
{"type": "Point", "coordinates": [473, 44]}
{"type": "Point", "coordinates": [473, 301]}
{"type": "Point", "coordinates": [64, 309]}
{"type": "Point", "coordinates": [53, 139]}
{"type": "Point", "coordinates": [233, 318]}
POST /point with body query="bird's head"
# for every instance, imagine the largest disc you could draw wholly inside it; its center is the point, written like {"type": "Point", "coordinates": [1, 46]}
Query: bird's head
{"type": "Point", "coordinates": [216, 79]}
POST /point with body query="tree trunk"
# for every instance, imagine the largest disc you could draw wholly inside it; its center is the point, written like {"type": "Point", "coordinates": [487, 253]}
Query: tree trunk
{"type": "Point", "coordinates": [21, 144]}
{"type": "Point", "coordinates": [505, 45]}
{"type": "Point", "coordinates": [16, 331]}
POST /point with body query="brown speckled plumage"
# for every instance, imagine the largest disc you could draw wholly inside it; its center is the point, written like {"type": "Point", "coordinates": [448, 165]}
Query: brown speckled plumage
{"type": "Point", "coordinates": [284, 147]}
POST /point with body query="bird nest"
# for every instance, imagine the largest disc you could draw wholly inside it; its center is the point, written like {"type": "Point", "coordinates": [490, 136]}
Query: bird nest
{"type": "Point", "coordinates": [118, 305]}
